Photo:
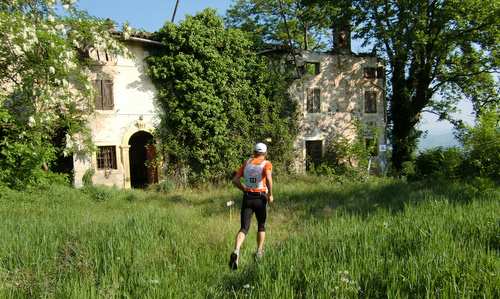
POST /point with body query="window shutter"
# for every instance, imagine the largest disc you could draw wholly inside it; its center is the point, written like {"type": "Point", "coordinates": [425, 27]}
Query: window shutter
{"type": "Point", "coordinates": [317, 100]}
{"type": "Point", "coordinates": [98, 94]}
{"type": "Point", "coordinates": [310, 107]}
{"type": "Point", "coordinates": [107, 95]}
{"type": "Point", "coordinates": [370, 102]}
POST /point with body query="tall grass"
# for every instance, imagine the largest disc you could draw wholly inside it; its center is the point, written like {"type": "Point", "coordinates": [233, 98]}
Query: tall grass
{"type": "Point", "coordinates": [376, 239]}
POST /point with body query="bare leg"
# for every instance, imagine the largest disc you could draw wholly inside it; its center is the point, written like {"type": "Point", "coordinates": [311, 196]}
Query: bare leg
{"type": "Point", "coordinates": [240, 237]}
{"type": "Point", "coordinates": [261, 236]}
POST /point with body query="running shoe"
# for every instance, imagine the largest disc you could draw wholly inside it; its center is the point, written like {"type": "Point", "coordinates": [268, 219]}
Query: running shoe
{"type": "Point", "coordinates": [233, 261]}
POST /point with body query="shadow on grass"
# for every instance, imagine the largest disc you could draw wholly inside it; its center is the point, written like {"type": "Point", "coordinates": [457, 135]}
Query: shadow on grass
{"type": "Point", "coordinates": [360, 199]}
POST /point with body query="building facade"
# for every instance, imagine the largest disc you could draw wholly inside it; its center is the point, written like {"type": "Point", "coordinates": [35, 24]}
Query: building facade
{"type": "Point", "coordinates": [337, 93]}
{"type": "Point", "coordinates": [123, 122]}
{"type": "Point", "coordinates": [334, 92]}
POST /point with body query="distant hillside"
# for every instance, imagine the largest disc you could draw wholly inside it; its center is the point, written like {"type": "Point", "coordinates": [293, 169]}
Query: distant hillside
{"type": "Point", "coordinates": [434, 140]}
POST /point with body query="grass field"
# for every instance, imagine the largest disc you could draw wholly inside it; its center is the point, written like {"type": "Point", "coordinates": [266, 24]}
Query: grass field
{"type": "Point", "coordinates": [377, 239]}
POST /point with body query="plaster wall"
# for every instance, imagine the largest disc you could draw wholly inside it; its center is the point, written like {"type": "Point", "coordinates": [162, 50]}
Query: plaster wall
{"type": "Point", "coordinates": [134, 110]}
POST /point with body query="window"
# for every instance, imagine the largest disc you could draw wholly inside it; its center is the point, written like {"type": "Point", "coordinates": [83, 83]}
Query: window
{"type": "Point", "coordinates": [104, 94]}
{"type": "Point", "coordinates": [373, 72]}
{"type": "Point", "coordinates": [106, 157]}
{"type": "Point", "coordinates": [370, 72]}
{"type": "Point", "coordinates": [370, 102]}
{"type": "Point", "coordinates": [313, 100]}
{"type": "Point", "coordinates": [312, 68]}
{"type": "Point", "coordinates": [381, 72]}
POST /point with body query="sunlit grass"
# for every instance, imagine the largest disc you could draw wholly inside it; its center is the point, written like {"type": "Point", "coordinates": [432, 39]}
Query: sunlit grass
{"type": "Point", "coordinates": [377, 239]}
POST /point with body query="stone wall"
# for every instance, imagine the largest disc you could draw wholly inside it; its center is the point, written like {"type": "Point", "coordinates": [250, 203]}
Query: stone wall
{"type": "Point", "coordinates": [342, 84]}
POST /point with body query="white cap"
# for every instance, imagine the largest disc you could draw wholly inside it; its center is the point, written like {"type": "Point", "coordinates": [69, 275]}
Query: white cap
{"type": "Point", "coordinates": [260, 148]}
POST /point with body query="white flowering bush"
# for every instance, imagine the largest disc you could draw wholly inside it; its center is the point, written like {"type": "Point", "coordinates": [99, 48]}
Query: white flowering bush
{"type": "Point", "coordinates": [44, 82]}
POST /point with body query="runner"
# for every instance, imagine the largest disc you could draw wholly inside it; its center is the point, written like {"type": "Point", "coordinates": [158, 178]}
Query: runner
{"type": "Point", "coordinates": [257, 192]}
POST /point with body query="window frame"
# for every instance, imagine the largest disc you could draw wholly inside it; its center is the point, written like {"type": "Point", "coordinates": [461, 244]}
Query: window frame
{"type": "Point", "coordinates": [106, 160]}
{"type": "Point", "coordinates": [313, 100]}
{"type": "Point", "coordinates": [370, 102]}
{"type": "Point", "coordinates": [310, 64]}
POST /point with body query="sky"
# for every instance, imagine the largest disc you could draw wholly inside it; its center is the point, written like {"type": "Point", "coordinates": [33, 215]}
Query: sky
{"type": "Point", "coordinates": [150, 15]}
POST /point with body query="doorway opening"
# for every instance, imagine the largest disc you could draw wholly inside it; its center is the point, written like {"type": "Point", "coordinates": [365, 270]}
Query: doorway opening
{"type": "Point", "coordinates": [314, 153]}
{"type": "Point", "coordinates": [142, 154]}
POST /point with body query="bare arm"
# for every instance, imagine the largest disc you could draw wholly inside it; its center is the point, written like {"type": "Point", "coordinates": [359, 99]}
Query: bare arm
{"type": "Point", "coordinates": [237, 182]}
{"type": "Point", "coordinates": [269, 180]}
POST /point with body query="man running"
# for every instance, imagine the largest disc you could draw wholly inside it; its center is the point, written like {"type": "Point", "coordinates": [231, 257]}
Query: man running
{"type": "Point", "coordinates": [257, 192]}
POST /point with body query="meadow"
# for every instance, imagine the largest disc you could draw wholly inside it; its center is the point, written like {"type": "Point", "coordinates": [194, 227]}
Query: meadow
{"type": "Point", "coordinates": [377, 239]}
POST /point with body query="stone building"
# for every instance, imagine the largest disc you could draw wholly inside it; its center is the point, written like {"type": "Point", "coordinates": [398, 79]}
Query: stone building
{"type": "Point", "coordinates": [336, 91]}
{"type": "Point", "coordinates": [123, 122]}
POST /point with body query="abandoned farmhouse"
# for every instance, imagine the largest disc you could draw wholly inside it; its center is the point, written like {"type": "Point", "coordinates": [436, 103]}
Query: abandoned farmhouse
{"type": "Point", "coordinates": [335, 90]}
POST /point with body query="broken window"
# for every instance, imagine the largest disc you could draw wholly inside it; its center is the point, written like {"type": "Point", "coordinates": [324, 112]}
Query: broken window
{"type": "Point", "coordinates": [380, 72]}
{"type": "Point", "coordinates": [373, 72]}
{"type": "Point", "coordinates": [313, 100]}
{"type": "Point", "coordinates": [370, 72]}
{"type": "Point", "coordinates": [106, 157]}
{"type": "Point", "coordinates": [312, 68]}
{"type": "Point", "coordinates": [370, 102]}
{"type": "Point", "coordinates": [104, 94]}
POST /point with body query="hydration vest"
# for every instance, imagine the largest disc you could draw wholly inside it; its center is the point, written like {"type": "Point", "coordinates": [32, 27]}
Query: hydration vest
{"type": "Point", "coordinates": [253, 175]}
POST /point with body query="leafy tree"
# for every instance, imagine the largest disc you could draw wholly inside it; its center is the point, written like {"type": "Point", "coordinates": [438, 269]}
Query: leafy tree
{"type": "Point", "coordinates": [217, 97]}
{"type": "Point", "coordinates": [44, 83]}
{"type": "Point", "coordinates": [482, 147]}
{"type": "Point", "coordinates": [264, 20]}
{"type": "Point", "coordinates": [437, 52]}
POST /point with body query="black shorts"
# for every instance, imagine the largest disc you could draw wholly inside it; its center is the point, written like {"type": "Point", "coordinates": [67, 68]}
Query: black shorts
{"type": "Point", "coordinates": [253, 203]}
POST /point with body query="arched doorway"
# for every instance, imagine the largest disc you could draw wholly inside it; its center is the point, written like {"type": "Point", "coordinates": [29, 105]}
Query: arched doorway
{"type": "Point", "coordinates": [142, 152]}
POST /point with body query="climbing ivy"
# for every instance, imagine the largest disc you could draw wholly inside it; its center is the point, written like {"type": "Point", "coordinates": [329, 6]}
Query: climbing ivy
{"type": "Point", "coordinates": [217, 97]}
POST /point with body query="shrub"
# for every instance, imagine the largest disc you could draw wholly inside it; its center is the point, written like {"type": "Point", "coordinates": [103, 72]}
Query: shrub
{"type": "Point", "coordinates": [438, 163]}
{"type": "Point", "coordinates": [482, 146]}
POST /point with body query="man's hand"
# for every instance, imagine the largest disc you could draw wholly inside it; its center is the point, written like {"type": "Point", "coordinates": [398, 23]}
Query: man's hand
{"type": "Point", "coordinates": [270, 198]}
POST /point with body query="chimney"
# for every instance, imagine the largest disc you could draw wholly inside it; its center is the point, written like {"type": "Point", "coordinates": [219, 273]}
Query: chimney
{"type": "Point", "coordinates": [342, 37]}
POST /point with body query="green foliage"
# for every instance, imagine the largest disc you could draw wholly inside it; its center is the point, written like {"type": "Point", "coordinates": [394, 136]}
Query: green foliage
{"type": "Point", "coordinates": [87, 177]}
{"type": "Point", "coordinates": [482, 146]}
{"type": "Point", "coordinates": [217, 98]}
{"type": "Point", "coordinates": [44, 84]}
{"type": "Point", "coordinates": [263, 21]}
{"type": "Point", "coordinates": [382, 238]}
{"type": "Point", "coordinates": [439, 163]}
{"type": "Point", "coordinates": [352, 156]}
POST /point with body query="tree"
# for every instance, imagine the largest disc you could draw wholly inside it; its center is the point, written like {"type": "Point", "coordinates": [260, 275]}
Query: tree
{"type": "Point", "coordinates": [263, 19]}
{"type": "Point", "coordinates": [217, 97]}
{"type": "Point", "coordinates": [44, 83]}
{"type": "Point", "coordinates": [436, 52]}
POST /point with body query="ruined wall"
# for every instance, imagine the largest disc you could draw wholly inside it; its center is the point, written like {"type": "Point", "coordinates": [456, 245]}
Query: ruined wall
{"type": "Point", "coordinates": [133, 111]}
{"type": "Point", "coordinates": [342, 84]}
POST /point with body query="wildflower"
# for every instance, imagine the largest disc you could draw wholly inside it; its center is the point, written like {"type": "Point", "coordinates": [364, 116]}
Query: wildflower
{"type": "Point", "coordinates": [51, 18]}
{"type": "Point", "coordinates": [52, 70]}
{"type": "Point", "coordinates": [247, 286]}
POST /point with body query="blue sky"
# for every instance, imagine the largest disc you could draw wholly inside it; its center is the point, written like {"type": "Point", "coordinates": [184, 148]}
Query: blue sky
{"type": "Point", "coordinates": [150, 15]}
